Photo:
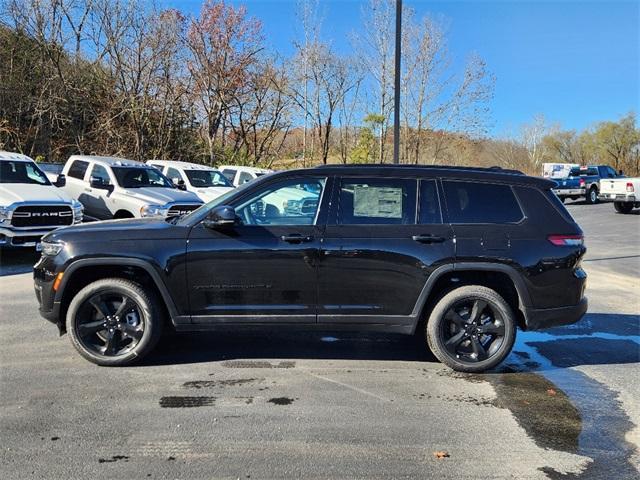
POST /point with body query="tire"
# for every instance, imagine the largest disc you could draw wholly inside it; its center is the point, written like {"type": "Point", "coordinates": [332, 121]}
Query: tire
{"type": "Point", "coordinates": [451, 338]}
{"type": "Point", "coordinates": [95, 316]}
{"type": "Point", "coordinates": [120, 214]}
{"type": "Point", "coordinates": [623, 207]}
{"type": "Point", "coordinates": [592, 196]}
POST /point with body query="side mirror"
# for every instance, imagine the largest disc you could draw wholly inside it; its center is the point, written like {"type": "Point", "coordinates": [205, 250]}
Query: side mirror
{"type": "Point", "coordinates": [180, 184]}
{"type": "Point", "coordinates": [61, 181]}
{"type": "Point", "coordinates": [97, 182]}
{"type": "Point", "coordinates": [220, 217]}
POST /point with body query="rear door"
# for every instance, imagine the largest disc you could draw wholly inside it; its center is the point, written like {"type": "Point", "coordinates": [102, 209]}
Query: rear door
{"type": "Point", "coordinates": [384, 238]}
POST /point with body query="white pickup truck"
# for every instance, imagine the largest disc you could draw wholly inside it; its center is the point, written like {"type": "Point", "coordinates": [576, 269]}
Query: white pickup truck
{"type": "Point", "coordinates": [30, 205]}
{"type": "Point", "coordinates": [623, 192]}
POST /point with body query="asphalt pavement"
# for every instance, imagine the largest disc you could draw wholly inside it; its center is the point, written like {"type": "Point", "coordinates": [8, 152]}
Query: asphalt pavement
{"type": "Point", "coordinates": [326, 405]}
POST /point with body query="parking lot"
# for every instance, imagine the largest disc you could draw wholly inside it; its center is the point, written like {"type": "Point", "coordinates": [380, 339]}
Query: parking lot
{"type": "Point", "coordinates": [325, 405]}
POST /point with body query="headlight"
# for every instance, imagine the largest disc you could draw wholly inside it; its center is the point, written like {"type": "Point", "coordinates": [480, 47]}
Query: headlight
{"type": "Point", "coordinates": [5, 214]}
{"type": "Point", "coordinates": [51, 249]}
{"type": "Point", "coordinates": [77, 211]}
{"type": "Point", "coordinates": [153, 211]}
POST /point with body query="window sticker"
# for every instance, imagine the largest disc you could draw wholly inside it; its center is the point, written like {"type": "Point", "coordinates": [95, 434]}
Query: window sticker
{"type": "Point", "coordinates": [377, 202]}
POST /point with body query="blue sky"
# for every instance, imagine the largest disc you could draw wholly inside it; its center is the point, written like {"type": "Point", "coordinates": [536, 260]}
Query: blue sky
{"type": "Point", "coordinates": [576, 62]}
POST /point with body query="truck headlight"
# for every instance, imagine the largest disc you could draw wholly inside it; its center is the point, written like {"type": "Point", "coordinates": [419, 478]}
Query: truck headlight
{"type": "Point", "coordinates": [51, 249]}
{"type": "Point", "coordinates": [153, 211]}
{"type": "Point", "coordinates": [77, 211]}
{"type": "Point", "coordinates": [5, 214]}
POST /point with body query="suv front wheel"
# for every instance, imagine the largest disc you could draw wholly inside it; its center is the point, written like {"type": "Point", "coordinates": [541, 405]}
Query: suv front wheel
{"type": "Point", "coordinates": [471, 329]}
{"type": "Point", "coordinates": [114, 322]}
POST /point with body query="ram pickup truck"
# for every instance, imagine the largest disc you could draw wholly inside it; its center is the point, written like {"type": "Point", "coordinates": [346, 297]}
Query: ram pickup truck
{"type": "Point", "coordinates": [30, 205]}
{"type": "Point", "coordinates": [584, 182]}
{"type": "Point", "coordinates": [623, 192]}
{"type": "Point", "coordinates": [110, 187]}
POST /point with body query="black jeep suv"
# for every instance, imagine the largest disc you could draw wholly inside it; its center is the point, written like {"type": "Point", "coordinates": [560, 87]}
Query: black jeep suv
{"type": "Point", "coordinates": [462, 255]}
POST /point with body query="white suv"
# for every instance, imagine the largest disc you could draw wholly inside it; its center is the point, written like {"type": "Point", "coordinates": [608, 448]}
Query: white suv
{"type": "Point", "coordinates": [30, 205]}
{"type": "Point", "coordinates": [206, 182]}
{"type": "Point", "coordinates": [239, 175]}
{"type": "Point", "coordinates": [110, 187]}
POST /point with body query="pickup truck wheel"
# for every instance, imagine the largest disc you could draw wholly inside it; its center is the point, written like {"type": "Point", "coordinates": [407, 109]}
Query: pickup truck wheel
{"type": "Point", "coordinates": [114, 322]}
{"type": "Point", "coordinates": [471, 329]}
{"type": "Point", "coordinates": [623, 207]}
{"type": "Point", "coordinates": [592, 196]}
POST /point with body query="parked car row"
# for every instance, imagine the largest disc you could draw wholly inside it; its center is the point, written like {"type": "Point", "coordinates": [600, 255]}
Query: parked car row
{"type": "Point", "coordinates": [103, 188]}
{"type": "Point", "coordinates": [594, 183]}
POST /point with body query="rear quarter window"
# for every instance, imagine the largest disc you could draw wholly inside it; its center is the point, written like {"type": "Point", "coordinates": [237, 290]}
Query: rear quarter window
{"type": "Point", "coordinates": [77, 169]}
{"type": "Point", "coordinates": [472, 202]}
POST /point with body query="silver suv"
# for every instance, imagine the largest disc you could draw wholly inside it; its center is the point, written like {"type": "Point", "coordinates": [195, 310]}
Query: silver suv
{"type": "Point", "coordinates": [110, 187]}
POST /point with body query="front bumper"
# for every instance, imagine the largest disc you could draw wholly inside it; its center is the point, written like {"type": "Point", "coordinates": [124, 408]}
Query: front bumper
{"type": "Point", "coordinates": [538, 319]}
{"type": "Point", "coordinates": [569, 192]}
{"type": "Point", "coordinates": [22, 238]}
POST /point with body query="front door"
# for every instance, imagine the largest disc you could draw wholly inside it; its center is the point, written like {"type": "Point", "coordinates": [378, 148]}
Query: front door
{"type": "Point", "coordinates": [265, 268]}
{"type": "Point", "coordinates": [385, 237]}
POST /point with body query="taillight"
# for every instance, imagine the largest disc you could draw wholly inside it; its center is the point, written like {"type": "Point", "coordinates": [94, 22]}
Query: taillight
{"type": "Point", "coordinates": [566, 240]}
{"type": "Point", "coordinates": [629, 187]}
{"type": "Point", "coordinates": [582, 182]}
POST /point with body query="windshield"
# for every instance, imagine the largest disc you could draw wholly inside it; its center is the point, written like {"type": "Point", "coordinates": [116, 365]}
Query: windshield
{"type": "Point", "coordinates": [583, 172]}
{"type": "Point", "coordinates": [207, 178]}
{"type": "Point", "coordinates": [139, 177]}
{"type": "Point", "coordinates": [22, 172]}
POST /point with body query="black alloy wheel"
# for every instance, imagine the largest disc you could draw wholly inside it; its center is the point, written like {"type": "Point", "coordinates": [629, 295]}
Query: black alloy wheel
{"type": "Point", "coordinates": [114, 321]}
{"type": "Point", "coordinates": [110, 324]}
{"type": "Point", "coordinates": [471, 329]}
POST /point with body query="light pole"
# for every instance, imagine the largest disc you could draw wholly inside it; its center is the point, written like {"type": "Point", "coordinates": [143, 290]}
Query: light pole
{"type": "Point", "coordinates": [396, 92]}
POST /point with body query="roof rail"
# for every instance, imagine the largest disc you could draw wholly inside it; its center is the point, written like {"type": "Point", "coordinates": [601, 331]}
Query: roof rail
{"type": "Point", "coordinates": [494, 168]}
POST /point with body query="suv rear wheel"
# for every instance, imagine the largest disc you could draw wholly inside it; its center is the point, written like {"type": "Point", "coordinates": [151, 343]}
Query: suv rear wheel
{"type": "Point", "coordinates": [471, 329]}
{"type": "Point", "coordinates": [114, 322]}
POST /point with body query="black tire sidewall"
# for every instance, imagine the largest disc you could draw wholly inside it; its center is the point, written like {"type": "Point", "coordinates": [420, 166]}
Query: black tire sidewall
{"type": "Point", "coordinates": [148, 309]}
{"type": "Point", "coordinates": [436, 323]}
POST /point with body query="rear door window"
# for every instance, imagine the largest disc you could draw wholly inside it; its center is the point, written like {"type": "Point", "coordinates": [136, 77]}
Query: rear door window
{"type": "Point", "coordinates": [77, 169]}
{"type": "Point", "coordinates": [470, 202]}
{"type": "Point", "coordinates": [429, 210]}
{"type": "Point", "coordinates": [375, 201]}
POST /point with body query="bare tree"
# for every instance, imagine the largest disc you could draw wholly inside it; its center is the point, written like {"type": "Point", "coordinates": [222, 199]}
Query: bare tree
{"type": "Point", "coordinates": [223, 44]}
{"type": "Point", "coordinates": [376, 52]}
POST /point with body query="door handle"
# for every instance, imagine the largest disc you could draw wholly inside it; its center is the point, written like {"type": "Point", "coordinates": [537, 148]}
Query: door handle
{"type": "Point", "coordinates": [296, 238]}
{"type": "Point", "coordinates": [428, 239]}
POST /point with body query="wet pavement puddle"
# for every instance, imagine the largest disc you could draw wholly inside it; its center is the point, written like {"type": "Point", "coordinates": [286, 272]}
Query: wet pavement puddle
{"type": "Point", "coordinates": [563, 409]}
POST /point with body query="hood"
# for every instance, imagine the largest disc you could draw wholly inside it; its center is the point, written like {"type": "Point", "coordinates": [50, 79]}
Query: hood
{"type": "Point", "coordinates": [28, 192]}
{"type": "Point", "coordinates": [161, 195]}
{"type": "Point", "coordinates": [111, 230]}
{"type": "Point", "coordinates": [211, 193]}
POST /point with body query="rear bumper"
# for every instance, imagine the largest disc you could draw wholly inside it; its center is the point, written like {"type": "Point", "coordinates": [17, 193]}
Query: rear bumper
{"type": "Point", "coordinates": [569, 192]}
{"type": "Point", "coordinates": [617, 197]}
{"type": "Point", "coordinates": [538, 319]}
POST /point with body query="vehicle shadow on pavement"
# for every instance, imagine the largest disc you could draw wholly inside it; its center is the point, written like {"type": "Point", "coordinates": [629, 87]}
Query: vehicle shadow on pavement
{"type": "Point", "coordinates": [199, 347]}
{"type": "Point", "coordinates": [596, 340]}
{"type": "Point", "coordinates": [17, 261]}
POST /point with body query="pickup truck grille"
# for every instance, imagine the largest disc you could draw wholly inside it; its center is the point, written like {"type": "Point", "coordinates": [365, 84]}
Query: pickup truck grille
{"type": "Point", "coordinates": [181, 209]}
{"type": "Point", "coordinates": [42, 216]}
